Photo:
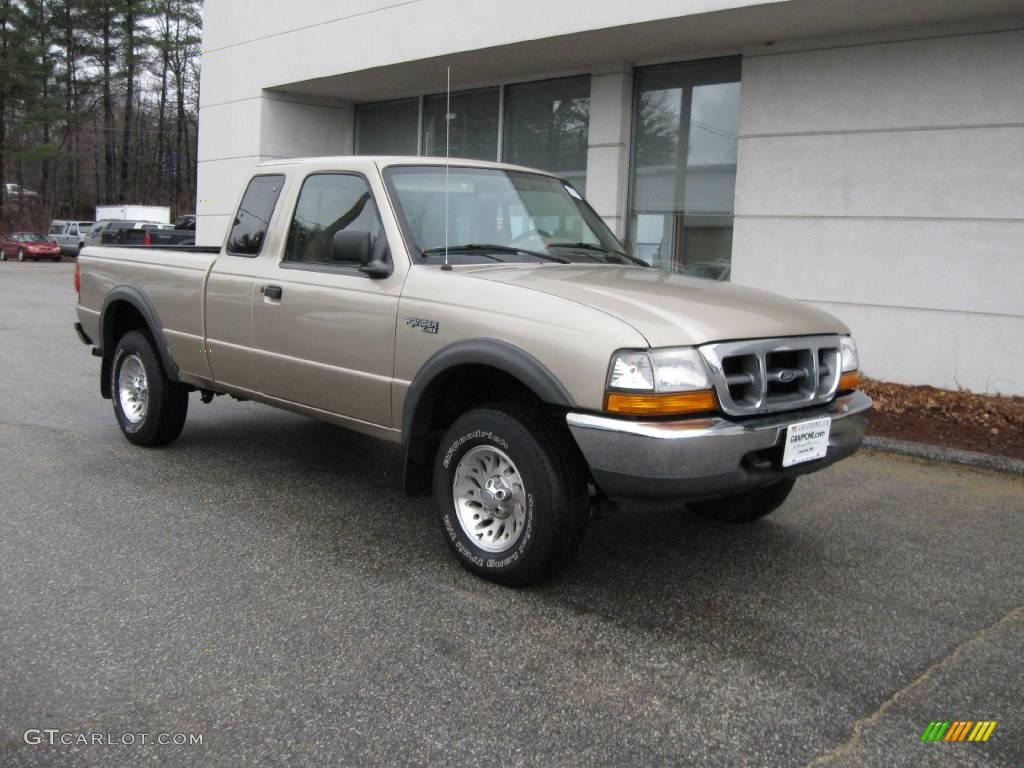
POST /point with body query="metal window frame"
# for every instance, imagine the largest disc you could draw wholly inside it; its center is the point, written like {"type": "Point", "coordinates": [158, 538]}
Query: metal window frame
{"type": "Point", "coordinates": [634, 121]}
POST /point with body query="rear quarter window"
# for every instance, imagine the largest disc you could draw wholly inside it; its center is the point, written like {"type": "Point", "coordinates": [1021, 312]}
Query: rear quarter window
{"type": "Point", "coordinates": [252, 220]}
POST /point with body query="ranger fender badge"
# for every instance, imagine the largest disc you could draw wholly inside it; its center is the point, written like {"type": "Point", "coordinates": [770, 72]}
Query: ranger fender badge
{"type": "Point", "coordinates": [427, 326]}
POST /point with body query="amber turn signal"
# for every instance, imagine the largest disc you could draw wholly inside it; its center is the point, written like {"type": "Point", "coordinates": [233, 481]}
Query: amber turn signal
{"type": "Point", "coordinates": [849, 381]}
{"type": "Point", "coordinates": [671, 404]}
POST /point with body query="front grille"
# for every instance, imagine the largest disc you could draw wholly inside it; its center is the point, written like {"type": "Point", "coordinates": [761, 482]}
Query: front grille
{"type": "Point", "coordinates": [768, 375]}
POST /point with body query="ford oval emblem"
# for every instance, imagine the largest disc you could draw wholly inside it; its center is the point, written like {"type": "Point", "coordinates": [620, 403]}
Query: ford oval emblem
{"type": "Point", "coordinates": [786, 376]}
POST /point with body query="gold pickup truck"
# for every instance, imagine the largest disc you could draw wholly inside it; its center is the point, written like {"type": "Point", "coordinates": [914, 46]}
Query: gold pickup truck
{"type": "Point", "coordinates": [483, 316]}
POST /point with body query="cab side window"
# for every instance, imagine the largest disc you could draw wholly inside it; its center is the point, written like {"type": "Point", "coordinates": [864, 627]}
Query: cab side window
{"type": "Point", "coordinates": [249, 229]}
{"type": "Point", "coordinates": [330, 203]}
{"type": "Point", "coordinates": [57, 229]}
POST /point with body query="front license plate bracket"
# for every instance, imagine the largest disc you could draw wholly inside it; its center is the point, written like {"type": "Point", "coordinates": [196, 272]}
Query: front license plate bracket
{"type": "Point", "coordinates": [806, 441]}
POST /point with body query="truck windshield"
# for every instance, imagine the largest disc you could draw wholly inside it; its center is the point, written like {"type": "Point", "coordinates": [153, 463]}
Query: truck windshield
{"type": "Point", "coordinates": [495, 215]}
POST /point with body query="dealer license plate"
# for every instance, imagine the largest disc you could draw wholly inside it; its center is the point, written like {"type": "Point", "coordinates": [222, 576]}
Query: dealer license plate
{"type": "Point", "coordinates": [806, 441]}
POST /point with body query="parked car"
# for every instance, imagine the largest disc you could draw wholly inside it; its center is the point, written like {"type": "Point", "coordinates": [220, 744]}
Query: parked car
{"type": "Point", "coordinates": [106, 230]}
{"type": "Point", "coordinates": [529, 366]}
{"type": "Point", "coordinates": [28, 245]}
{"type": "Point", "coordinates": [15, 191]}
{"type": "Point", "coordinates": [70, 235]}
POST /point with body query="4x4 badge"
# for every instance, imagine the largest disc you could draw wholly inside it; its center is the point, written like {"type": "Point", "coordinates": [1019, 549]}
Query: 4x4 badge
{"type": "Point", "coordinates": [427, 326]}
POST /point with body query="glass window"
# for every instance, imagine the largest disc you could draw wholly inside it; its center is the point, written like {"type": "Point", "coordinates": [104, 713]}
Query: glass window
{"type": "Point", "coordinates": [474, 125]}
{"type": "Point", "coordinates": [253, 217]}
{"type": "Point", "coordinates": [387, 127]}
{"type": "Point", "coordinates": [684, 165]}
{"type": "Point", "coordinates": [330, 203]}
{"type": "Point", "coordinates": [495, 215]}
{"type": "Point", "coordinates": [57, 229]}
{"type": "Point", "coordinates": [546, 126]}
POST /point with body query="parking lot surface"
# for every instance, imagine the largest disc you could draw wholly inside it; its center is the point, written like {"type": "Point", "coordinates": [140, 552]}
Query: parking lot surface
{"type": "Point", "coordinates": [264, 582]}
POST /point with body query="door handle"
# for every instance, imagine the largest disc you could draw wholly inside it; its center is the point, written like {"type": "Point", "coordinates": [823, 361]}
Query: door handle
{"type": "Point", "coordinates": [272, 292]}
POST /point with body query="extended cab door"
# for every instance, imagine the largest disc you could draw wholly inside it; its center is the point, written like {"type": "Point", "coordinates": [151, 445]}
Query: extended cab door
{"type": "Point", "coordinates": [324, 332]}
{"type": "Point", "coordinates": [231, 286]}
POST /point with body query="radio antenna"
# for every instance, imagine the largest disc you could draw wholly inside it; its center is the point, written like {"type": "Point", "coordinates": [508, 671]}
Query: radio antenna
{"type": "Point", "coordinates": [447, 148]}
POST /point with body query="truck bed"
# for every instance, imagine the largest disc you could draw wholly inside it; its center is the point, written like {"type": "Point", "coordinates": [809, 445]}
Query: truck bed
{"type": "Point", "coordinates": [171, 278]}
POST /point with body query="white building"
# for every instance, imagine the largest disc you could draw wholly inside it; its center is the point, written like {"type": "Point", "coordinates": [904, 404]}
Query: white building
{"type": "Point", "coordinates": [866, 156]}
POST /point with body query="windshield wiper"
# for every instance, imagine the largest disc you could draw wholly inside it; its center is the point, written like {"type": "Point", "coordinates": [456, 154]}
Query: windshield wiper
{"type": "Point", "coordinates": [600, 249]}
{"type": "Point", "coordinates": [483, 248]}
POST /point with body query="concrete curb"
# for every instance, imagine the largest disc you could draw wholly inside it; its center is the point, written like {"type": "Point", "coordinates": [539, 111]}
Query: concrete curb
{"type": "Point", "coordinates": [949, 455]}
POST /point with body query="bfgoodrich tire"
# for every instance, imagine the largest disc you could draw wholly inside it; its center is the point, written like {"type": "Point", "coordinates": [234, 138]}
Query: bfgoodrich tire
{"type": "Point", "coordinates": [150, 408]}
{"type": "Point", "coordinates": [511, 494]}
{"type": "Point", "coordinates": [745, 507]}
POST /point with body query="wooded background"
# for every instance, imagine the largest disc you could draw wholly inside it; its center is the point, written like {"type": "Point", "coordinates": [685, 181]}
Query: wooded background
{"type": "Point", "coordinates": [98, 105]}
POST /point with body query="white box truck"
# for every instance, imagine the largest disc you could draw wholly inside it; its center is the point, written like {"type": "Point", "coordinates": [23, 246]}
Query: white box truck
{"type": "Point", "coordinates": [156, 213]}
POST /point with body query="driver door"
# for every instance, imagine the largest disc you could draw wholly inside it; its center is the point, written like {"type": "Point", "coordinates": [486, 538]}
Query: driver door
{"type": "Point", "coordinates": [324, 332]}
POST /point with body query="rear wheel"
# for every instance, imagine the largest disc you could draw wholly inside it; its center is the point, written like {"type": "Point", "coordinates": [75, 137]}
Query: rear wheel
{"type": "Point", "coordinates": [149, 407]}
{"type": "Point", "coordinates": [21, 255]}
{"type": "Point", "coordinates": [745, 507]}
{"type": "Point", "coordinates": [511, 494]}
{"type": "Point", "coordinates": [3, 255]}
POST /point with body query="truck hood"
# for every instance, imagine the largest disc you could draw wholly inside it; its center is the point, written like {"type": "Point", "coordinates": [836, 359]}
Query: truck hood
{"type": "Point", "coordinates": [669, 309]}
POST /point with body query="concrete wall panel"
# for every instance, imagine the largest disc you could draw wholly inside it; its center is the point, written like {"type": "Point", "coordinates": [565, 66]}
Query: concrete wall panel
{"type": "Point", "coordinates": [963, 266]}
{"type": "Point", "coordinates": [944, 349]}
{"type": "Point", "coordinates": [958, 173]}
{"type": "Point", "coordinates": [968, 80]}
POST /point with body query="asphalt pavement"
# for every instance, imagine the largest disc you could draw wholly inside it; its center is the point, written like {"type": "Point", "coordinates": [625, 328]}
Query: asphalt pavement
{"type": "Point", "coordinates": [263, 583]}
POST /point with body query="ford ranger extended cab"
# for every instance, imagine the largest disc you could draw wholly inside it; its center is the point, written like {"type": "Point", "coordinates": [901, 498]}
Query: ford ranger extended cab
{"type": "Point", "coordinates": [483, 316]}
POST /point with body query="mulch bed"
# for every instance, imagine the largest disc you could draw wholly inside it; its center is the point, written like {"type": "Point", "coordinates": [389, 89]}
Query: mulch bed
{"type": "Point", "coordinates": [953, 419]}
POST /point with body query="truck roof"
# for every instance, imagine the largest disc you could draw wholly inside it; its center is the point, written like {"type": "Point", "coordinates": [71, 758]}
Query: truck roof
{"type": "Point", "coordinates": [383, 161]}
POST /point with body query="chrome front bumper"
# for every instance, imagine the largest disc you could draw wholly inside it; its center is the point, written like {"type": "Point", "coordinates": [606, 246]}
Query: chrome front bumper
{"type": "Point", "coordinates": [706, 457]}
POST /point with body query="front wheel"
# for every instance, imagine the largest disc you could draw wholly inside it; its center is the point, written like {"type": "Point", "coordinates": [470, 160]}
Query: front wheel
{"type": "Point", "coordinates": [511, 494]}
{"type": "Point", "coordinates": [3, 255]}
{"type": "Point", "coordinates": [21, 255]}
{"type": "Point", "coordinates": [149, 407]}
{"type": "Point", "coordinates": [745, 507]}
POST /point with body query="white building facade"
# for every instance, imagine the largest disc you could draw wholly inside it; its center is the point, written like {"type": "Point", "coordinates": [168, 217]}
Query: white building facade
{"type": "Point", "coordinates": [864, 156]}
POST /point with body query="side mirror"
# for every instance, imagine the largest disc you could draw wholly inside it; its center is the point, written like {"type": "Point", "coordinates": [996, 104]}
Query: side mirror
{"type": "Point", "coordinates": [351, 245]}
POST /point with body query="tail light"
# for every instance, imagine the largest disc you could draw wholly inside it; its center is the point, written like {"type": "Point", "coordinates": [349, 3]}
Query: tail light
{"type": "Point", "coordinates": [147, 239]}
{"type": "Point", "coordinates": [78, 279]}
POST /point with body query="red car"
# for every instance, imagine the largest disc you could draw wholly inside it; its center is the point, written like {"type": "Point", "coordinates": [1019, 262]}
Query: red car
{"type": "Point", "coordinates": [28, 245]}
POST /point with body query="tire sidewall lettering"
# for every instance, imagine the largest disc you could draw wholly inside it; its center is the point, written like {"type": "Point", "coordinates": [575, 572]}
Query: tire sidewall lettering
{"type": "Point", "coordinates": [477, 434]}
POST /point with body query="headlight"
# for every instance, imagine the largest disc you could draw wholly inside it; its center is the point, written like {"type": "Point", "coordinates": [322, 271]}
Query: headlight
{"type": "Point", "coordinates": [658, 383]}
{"type": "Point", "coordinates": [850, 368]}
{"type": "Point", "coordinates": [631, 370]}
{"type": "Point", "coordinates": [848, 349]}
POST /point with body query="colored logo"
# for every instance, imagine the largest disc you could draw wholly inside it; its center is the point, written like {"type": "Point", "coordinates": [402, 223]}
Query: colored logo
{"type": "Point", "coordinates": [958, 730]}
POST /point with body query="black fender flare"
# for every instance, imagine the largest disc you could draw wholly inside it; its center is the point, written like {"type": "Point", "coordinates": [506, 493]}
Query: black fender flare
{"type": "Point", "coordinates": [141, 302]}
{"type": "Point", "coordinates": [494, 353]}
